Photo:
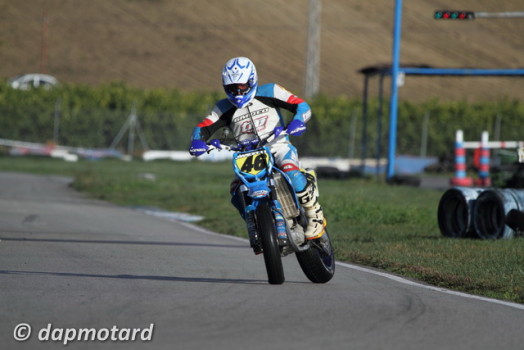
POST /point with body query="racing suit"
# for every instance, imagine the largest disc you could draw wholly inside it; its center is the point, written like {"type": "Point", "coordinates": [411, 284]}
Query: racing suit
{"type": "Point", "coordinates": [260, 117]}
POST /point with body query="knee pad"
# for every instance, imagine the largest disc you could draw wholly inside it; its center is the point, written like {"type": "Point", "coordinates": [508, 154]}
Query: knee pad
{"type": "Point", "coordinates": [297, 177]}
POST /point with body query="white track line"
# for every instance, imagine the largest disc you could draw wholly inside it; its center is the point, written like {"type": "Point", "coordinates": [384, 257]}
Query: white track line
{"type": "Point", "coordinates": [433, 288]}
{"type": "Point", "coordinates": [382, 274]}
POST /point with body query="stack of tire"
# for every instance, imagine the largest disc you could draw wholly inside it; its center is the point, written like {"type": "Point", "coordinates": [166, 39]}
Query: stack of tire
{"type": "Point", "coordinates": [493, 213]}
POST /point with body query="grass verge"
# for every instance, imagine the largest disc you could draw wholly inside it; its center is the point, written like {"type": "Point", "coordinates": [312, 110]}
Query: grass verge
{"type": "Point", "coordinates": [388, 227]}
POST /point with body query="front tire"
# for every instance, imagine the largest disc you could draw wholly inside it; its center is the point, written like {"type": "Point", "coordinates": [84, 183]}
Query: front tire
{"type": "Point", "coordinates": [270, 247]}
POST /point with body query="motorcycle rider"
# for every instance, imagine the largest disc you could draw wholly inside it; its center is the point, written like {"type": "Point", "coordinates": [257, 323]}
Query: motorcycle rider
{"type": "Point", "coordinates": [252, 112]}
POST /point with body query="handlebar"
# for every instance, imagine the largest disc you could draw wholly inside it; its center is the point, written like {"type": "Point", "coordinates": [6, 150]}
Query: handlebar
{"type": "Point", "coordinates": [271, 139]}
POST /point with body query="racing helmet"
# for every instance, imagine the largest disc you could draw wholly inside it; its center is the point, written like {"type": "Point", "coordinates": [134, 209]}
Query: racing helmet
{"type": "Point", "coordinates": [240, 81]}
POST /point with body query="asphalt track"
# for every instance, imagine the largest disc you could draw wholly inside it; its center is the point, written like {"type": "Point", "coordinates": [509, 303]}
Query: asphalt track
{"type": "Point", "coordinates": [68, 262]}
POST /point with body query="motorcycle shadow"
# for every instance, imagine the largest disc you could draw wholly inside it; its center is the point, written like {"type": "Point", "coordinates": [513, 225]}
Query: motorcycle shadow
{"type": "Point", "coordinates": [147, 277]}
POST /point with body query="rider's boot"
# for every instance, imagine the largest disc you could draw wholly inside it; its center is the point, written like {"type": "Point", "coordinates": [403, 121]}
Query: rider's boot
{"type": "Point", "coordinates": [309, 200]}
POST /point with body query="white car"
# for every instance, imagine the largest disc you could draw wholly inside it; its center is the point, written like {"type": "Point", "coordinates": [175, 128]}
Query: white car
{"type": "Point", "coordinates": [27, 81]}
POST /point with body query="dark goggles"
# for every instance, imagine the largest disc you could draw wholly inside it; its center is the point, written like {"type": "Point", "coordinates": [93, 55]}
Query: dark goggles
{"type": "Point", "coordinates": [238, 89]}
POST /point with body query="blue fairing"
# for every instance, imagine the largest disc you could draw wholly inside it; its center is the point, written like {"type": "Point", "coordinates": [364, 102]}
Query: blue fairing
{"type": "Point", "coordinates": [257, 184]}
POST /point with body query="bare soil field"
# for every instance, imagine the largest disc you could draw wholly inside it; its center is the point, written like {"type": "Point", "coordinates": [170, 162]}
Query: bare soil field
{"type": "Point", "coordinates": [184, 43]}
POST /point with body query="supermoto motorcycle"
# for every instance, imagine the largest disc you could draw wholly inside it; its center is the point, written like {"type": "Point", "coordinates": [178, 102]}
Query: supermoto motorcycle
{"type": "Point", "coordinates": [275, 220]}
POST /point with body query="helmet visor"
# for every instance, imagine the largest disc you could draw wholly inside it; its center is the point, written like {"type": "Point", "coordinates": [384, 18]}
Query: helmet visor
{"type": "Point", "coordinates": [238, 89]}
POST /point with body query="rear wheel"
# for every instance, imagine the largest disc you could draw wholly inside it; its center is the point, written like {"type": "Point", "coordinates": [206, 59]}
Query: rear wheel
{"type": "Point", "coordinates": [270, 247]}
{"type": "Point", "coordinates": [318, 262]}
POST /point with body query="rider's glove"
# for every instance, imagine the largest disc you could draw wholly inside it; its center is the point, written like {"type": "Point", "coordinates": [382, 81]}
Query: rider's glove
{"type": "Point", "coordinates": [296, 127]}
{"type": "Point", "coordinates": [198, 147]}
{"type": "Point", "coordinates": [215, 143]}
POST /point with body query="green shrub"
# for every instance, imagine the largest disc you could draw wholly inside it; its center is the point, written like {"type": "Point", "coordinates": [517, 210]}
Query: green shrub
{"type": "Point", "coordinates": [92, 117]}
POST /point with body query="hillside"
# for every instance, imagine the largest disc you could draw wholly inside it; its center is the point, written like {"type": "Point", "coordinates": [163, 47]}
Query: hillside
{"type": "Point", "coordinates": [184, 43]}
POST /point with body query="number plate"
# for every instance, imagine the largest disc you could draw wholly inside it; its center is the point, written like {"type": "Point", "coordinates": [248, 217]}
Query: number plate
{"type": "Point", "coordinates": [252, 163]}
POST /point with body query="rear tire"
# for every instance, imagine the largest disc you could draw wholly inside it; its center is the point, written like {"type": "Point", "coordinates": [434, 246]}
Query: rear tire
{"type": "Point", "coordinates": [270, 247]}
{"type": "Point", "coordinates": [318, 262]}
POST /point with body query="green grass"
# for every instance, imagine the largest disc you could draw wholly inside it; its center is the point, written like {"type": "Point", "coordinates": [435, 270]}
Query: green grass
{"type": "Point", "coordinates": [388, 227]}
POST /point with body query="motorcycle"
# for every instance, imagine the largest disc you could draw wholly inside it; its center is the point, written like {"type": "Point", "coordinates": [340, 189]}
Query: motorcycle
{"type": "Point", "coordinates": [275, 220]}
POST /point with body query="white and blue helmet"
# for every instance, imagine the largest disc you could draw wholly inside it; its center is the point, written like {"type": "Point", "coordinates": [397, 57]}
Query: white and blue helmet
{"type": "Point", "coordinates": [240, 81]}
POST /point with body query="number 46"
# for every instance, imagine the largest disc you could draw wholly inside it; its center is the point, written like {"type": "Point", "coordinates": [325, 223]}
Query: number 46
{"type": "Point", "coordinates": [256, 163]}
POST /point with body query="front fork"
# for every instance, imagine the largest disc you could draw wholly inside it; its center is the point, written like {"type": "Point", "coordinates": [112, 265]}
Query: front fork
{"type": "Point", "coordinates": [254, 239]}
{"type": "Point", "coordinates": [247, 211]}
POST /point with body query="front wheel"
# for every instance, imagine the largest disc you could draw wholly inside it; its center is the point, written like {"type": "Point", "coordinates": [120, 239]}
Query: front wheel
{"type": "Point", "coordinates": [318, 262]}
{"type": "Point", "coordinates": [270, 247]}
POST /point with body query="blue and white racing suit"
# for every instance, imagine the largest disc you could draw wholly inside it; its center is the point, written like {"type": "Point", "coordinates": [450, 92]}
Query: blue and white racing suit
{"type": "Point", "coordinates": [262, 114]}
